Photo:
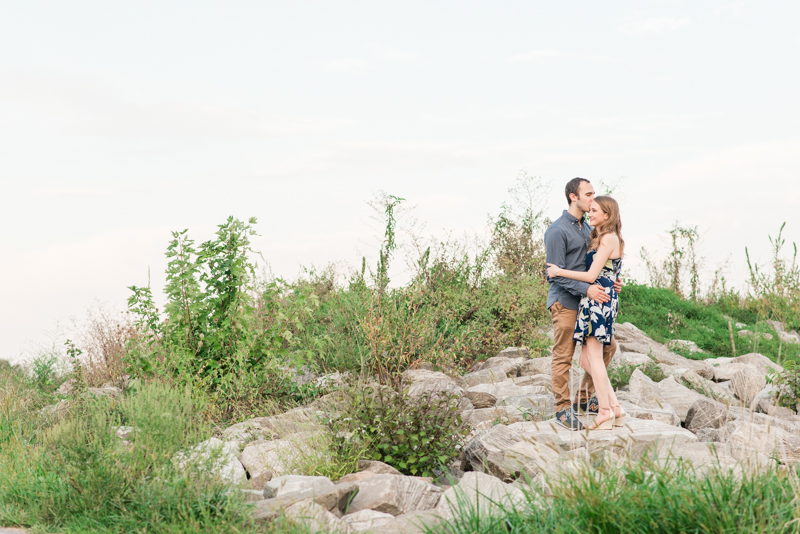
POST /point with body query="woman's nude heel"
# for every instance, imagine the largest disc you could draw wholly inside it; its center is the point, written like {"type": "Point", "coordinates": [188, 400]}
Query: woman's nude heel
{"type": "Point", "coordinates": [619, 420]}
{"type": "Point", "coordinates": [608, 424]}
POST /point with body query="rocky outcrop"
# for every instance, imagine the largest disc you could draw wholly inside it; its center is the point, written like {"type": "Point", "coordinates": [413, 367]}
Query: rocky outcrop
{"type": "Point", "coordinates": [747, 382]}
{"type": "Point", "coordinates": [395, 495]}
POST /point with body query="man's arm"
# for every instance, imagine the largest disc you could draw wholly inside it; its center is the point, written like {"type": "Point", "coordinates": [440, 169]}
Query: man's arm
{"type": "Point", "coordinates": [556, 251]}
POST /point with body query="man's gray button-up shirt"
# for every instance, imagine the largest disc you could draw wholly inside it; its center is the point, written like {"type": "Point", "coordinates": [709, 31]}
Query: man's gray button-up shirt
{"type": "Point", "coordinates": [567, 243]}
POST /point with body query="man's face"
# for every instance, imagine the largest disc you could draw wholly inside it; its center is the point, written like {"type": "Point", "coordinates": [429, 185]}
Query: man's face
{"type": "Point", "coordinates": [585, 196]}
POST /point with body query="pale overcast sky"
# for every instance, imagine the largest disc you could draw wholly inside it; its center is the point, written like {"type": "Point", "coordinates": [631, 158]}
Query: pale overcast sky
{"type": "Point", "coordinates": [121, 121]}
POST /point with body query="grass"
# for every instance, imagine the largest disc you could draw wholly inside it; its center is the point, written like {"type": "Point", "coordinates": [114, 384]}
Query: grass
{"type": "Point", "coordinates": [664, 316]}
{"type": "Point", "coordinates": [639, 498]}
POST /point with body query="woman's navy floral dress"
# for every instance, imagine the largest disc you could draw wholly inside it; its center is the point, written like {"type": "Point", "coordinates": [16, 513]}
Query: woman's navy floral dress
{"type": "Point", "coordinates": [597, 318]}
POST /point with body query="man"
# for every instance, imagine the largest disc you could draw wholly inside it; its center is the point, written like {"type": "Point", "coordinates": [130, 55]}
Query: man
{"type": "Point", "coordinates": [567, 242]}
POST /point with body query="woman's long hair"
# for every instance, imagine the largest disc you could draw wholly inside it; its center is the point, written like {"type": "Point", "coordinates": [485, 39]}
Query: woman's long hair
{"type": "Point", "coordinates": [613, 225]}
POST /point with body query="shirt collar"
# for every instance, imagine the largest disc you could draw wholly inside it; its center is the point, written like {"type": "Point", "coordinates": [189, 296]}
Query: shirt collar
{"type": "Point", "coordinates": [568, 216]}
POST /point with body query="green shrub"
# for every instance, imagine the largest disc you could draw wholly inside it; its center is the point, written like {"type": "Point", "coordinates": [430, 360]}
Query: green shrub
{"type": "Point", "coordinates": [418, 435]}
{"type": "Point", "coordinates": [787, 384]}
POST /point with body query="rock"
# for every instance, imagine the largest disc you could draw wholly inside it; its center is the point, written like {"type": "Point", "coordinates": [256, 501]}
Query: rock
{"type": "Point", "coordinates": [215, 458]}
{"type": "Point", "coordinates": [294, 483]}
{"type": "Point", "coordinates": [789, 337]}
{"type": "Point", "coordinates": [765, 403]}
{"type": "Point", "coordinates": [631, 358]}
{"type": "Point", "coordinates": [772, 442]}
{"type": "Point", "coordinates": [365, 520]}
{"type": "Point", "coordinates": [417, 522]}
{"type": "Point", "coordinates": [498, 414]}
{"type": "Point", "coordinates": [643, 391]}
{"type": "Point", "coordinates": [759, 361]}
{"type": "Point", "coordinates": [465, 404]}
{"type": "Point", "coordinates": [514, 352]}
{"type": "Point", "coordinates": [487, 376]}
{"type": "Point", "coordinates": [356, 477]}
{"type": "Point", "coordinates": [537, 366]}
{"type": "Point", "coordinates": [705, 387]}
{"type": "Point", "coordinates": [706, 413]}
{"type": "Point", "coordinates": [395, 495]}
{"type": "Point", "coordinates": [107, 391]}
{"type": "Point", "coordinates": [261, 457]}
{"type": "Point", "coordinates": [379, 468]}
{"type": "Point", "coordinates": [67, 387]}
{"type": "Point", "coordinates": [291, 422]}
{"type": "Point", "coordinates": [508, 451]}
{"type": "Point", "coordinates": [484, 494]}
{"type": "Point", "coordinates": [250, 495]}
{"type": "Point", "coordinates": [244, 432]}
{"type": "Point", "coordinates": [315, 518]}
{"type": "Point", "coordinates": [631, 339]}
{"type": "Point", "coordinates": [531, 407]}
{"type": "Point", "coordinates": [421, 375]}
{"type": "Point", "coordinates": [747, 382]}
{"type": "Point", "coordinates": [507, 366]}
{"type": "Point", "coordinates": [542, 380]}
{"type": "Point", "coordinates": [334, 498]}
{"type": "Point", "coordinates": [57, 410]}
{"type": "Point", "coordinates": [434, 387]}
{"type": "Point", "coordinates": [683, 344]}
{"type": "Point", "coordinates": [678, 396]}
{"type": "Point", "coordinates": [480, 399]}
{"type": "Point", "coordinates": [703, 456]}
{"type": "Point", "coordinates": [258, 483]}
{"type": "Point", "coordinates": [665, 414]}
{"type": "Point", "coordinates": [711, 435]}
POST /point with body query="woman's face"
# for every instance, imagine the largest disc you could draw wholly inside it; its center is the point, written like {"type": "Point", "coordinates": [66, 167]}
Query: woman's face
{"type": "Point", "coordinates": [596, 215]}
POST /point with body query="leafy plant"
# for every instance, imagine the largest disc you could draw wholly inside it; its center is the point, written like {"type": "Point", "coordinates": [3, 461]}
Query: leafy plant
{"type": "Point", "coordinates": [418, 435]}
{"type": "Point", "coordinates": [787, 384]}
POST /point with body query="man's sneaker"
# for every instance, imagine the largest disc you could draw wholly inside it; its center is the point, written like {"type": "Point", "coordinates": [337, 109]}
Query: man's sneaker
{"type": "Point", "coordinates": [588, 407]}
{"type": "Point", "coordinates": [568, 419]}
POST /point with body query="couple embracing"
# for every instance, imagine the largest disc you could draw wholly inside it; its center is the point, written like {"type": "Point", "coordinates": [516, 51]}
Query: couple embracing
{"type": "Point", "coordinates": [583, 266]}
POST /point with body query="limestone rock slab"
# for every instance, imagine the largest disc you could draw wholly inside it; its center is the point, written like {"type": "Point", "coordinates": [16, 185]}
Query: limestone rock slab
{"type": "Point", "coordinates": [395, 495]}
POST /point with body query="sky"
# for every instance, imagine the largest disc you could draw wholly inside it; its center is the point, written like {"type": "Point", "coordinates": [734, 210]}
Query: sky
{"type": "Point", "coordinates": [121, 122]}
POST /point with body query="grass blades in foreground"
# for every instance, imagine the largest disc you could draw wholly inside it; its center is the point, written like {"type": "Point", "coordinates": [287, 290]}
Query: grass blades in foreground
{"type": "Point", "coordinates": [633, 499]}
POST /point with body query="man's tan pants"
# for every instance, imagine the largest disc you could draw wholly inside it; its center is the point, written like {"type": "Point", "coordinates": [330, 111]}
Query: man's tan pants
{"type": "Point", "coordinates": [564, 321]}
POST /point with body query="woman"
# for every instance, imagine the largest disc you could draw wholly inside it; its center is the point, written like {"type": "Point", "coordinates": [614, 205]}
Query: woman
{"type": "Point", "coordinates": [595, 325]}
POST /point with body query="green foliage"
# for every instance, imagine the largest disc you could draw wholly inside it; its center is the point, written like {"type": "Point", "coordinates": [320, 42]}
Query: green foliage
{"type": "Point", "coordinates": [223, 332]}
{"type": "Point", "coordinates": [776, 289]}
{"type": "Point", "coordinates": [620, 374]}
{"type": "Point", "coordinates": [664, 316]}
{"type": "Point", "coordinates": [418, 435]}
{"type": "Point", "coordinates": [787, 384]}
{"type": "Point", "coordinates": [643, 498]}
{"type": "Point", "coordinates": [77, 476]}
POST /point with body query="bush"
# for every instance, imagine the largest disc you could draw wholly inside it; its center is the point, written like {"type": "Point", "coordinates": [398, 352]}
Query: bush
{"type": "Point", "coordinates": [418, 435]}
{"type": "Point", "coordinates": [787, 384]}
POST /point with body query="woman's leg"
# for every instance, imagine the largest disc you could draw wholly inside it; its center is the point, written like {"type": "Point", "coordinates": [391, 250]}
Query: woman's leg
{"type": "Point", "coordinates": [584, 361]}
{"type": "Point", "coordinates": [602, 385]}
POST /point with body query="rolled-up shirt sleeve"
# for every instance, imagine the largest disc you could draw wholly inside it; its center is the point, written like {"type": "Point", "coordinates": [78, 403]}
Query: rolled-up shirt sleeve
{"type": "Point", "coordinates": [556, 247]}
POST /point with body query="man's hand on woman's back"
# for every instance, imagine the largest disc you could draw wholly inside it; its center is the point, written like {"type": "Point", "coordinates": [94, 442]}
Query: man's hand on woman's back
{"type": "Point", "coordinates": [597, 293]}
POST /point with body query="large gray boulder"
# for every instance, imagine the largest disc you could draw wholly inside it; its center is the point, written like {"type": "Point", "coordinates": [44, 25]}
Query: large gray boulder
{"type": "Point", "coordinates": [260, 457]}
{"type": "Point", "coordinates": [481, 493]}
{"type": "Point", "coordinates": [664, 414]}
{"type": "Point", "coordinates": [503, 364]}
{"type": "Point", "coordinates": [395, 495]}
{"type": "Point", "coordinates": [643, 392]}
{"type": "Point", "coordinates": [334, 498]}
{"type": "Point", "coordinates": [678, 396]}
{"type": "Point", "coordinates": [294, 483]}
{"type": "Point", "coordinates": [705, 387]}
{"type": "Point", "coordinates": [749, 438]}
{"type": "Point", "coordinates": [368, 520]}
{"type": "Point", "coordinates": [486, 376]}
{"type": "Point", "coordinates": [315, 518]}
{"type": "Point", "coordinates": [537, 366]}
{"type": "Point", "coordinates": [747, 382]}
{"type": "Point", "coordinates": [706, 413]}
{"type": "Point", "coordinates": [214, 458]}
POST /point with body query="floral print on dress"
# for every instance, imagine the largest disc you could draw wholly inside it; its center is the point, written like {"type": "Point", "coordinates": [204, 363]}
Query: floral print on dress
{"type": "Point", "coordinates": [597, 318]}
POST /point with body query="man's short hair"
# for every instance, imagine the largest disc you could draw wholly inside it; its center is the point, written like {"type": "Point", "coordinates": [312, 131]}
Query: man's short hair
{"type": "Point", "coordinates": [572, 188]}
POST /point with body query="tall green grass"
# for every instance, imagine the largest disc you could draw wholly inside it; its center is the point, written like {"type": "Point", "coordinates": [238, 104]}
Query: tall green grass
{"type": "Point", "coordinates": [664, 316]}
{"type": "Point", "coordinates": [638, 499]}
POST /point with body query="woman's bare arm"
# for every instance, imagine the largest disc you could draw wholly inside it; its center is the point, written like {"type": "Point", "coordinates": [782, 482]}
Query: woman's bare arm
{"type": "Point", "coordinates": [608, 244]}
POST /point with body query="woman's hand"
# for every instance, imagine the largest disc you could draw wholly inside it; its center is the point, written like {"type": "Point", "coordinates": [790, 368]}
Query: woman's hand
{"type": "Point", "coordinates": [553, 270]}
